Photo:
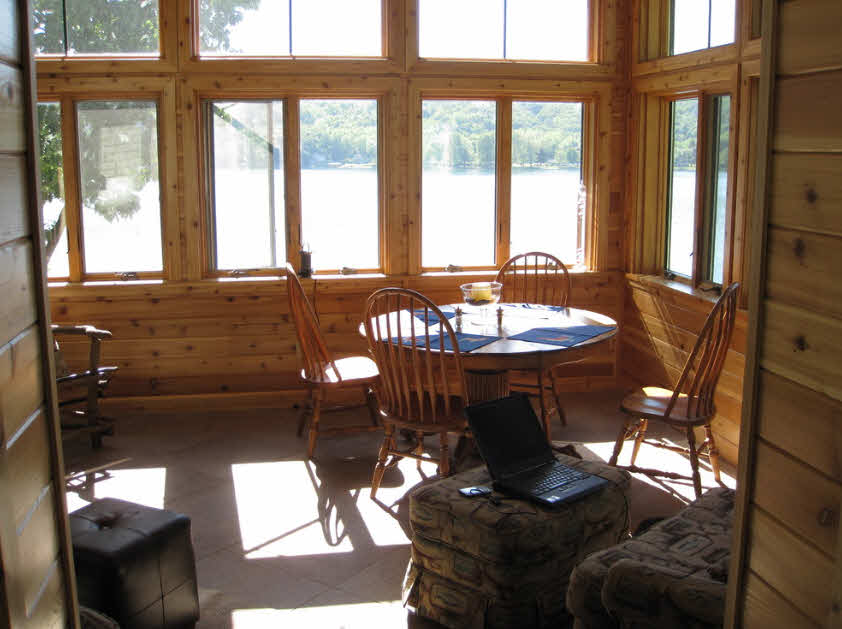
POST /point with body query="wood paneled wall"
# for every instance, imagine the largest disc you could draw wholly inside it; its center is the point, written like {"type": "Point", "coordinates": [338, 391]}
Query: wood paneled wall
{"type": "Point", "coordinates": [36, 569]}
{"type": "Point", "coordinates": [787, 572]}
{"type": "Point", "coordinates": [195, 335]}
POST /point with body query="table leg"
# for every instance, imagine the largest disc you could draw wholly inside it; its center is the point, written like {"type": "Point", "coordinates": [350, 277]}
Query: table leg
{"type": "Point", "coordinates": [482, 386]}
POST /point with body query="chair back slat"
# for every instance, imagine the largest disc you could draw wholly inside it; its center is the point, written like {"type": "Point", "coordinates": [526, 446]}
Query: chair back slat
{"type": "Point", "coordinates": [701, 372]}
{"type": "Point", "coordinates": [417, 384]}
{"type": "Point", "coordinates": [535, 277]}
{"type": "Point", "coordinates": [316, 358]}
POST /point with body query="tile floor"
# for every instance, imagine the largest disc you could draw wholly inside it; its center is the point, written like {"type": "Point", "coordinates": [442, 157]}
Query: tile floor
{"type": "Point", "coordinates": [282, 541]}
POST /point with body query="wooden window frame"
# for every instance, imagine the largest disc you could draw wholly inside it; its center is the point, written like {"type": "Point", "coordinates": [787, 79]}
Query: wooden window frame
{"type": "Point", "coordinates": [292, 173]}
{"type": "Point", "coordinates": [158, 90]}
{"type": "Point", "coordinates": [591, 151]}
{"type": "Point", "coordinates": [703, 198]}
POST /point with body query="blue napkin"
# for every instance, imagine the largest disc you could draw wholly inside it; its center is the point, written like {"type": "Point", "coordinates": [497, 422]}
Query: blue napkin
{"type": "Point", "coordinates": [432, 317]}
{"type": "Point", "coordinates": [467, 342]}
{"type": "Point", "coordinates": [563, 337]}
{"type": "Point", "coordinates": [535, 307]}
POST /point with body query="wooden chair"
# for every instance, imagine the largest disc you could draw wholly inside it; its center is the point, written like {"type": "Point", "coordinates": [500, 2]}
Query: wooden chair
{"type": "Point", "coordinates": [321, 372]}
{"type": "Point", "coordinates": [79, 390]}
{"type": "Point", "coordinates": [420, 391]}
{"type": "Point", "coordinates": [538, 278]}
{"type": "Point", "coordinates": [690, 404]}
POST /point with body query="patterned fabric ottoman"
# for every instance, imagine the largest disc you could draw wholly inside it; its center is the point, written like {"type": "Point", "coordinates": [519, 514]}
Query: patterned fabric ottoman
{"type": "Point", "coordinates": [673, 575]}
{"type": "Point", "coordinates": [493, 561]}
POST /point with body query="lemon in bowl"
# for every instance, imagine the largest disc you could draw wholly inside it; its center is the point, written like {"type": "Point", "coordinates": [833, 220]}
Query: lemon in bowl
{"type": "Point", "coordinates": [481, 293]}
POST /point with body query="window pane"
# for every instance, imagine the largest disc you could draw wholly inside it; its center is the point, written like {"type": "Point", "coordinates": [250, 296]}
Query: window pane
{"type": "Point", "coordinates": [443, 32]}
{"type": "Point", "coordinates": [682, 186]}
{"type": "Point", "coordinates": [458, 183]}
{"type": "Point", "coordinates": [48, 27]}
{"type": "Point", "coordinates": [326, 28]}
{"type": "Point", "coordinates": [96, 27]}
{"type": "Point", "coordinates": [52, 189]}
{"type": "Point", "coordinates": [248, 184]}
{"type": "Point", "coordinates": [723, 15]}
{"type": "Point", "coordinates": [340, 205]}
{"type": "Point", "coordinates": [689, 25]}
{"type": "Point", "coordinates": [719, 171]}
{"type": "Point", "coordinates": [546, 176]}
{"type": "Point", "coordinates": [336, 28]}
{"type": "Point", "coordinates": [121, 207]}
{"type": "Point", "coordinates": [547, 30]}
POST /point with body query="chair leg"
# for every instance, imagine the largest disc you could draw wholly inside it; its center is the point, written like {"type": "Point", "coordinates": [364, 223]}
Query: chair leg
{"type": "Point", "coordinates": [713, 453]}
{"type": "Point", "coordinates": [694, 461]}
{"type": "Point", "coordinates": [618, 445]}
{"type": "Point", "coordinates": [373, 406]}
{"type": "Point", "coordinates": [380, 468]}
{"type": "Point", "coordinates": [557, 395]}
{"type": "Point", "coordinates": [641, 433]}
{"type": "Point", "coordinates": [545, 416]}
{"type": "Point", "coordinates": [444, 455]}
{"type": "Point", "coordinates": [314, 422]}
{"type": "Point", "coordinates": [419, 448]}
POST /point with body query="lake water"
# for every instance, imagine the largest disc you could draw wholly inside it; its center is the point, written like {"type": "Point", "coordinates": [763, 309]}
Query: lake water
{"type": "Point", "coordinates": [340, 220]}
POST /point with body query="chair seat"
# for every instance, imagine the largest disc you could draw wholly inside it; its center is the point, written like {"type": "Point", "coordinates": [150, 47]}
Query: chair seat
{"type": "Point", "coordinates": [354, 371]}
{"type": "Point", "coordinates": [652, 402]}
{"type": "Point", "coordinates": [453, 422]}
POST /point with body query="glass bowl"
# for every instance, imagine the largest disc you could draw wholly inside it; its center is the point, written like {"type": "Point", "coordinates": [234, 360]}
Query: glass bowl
{"type": "Point", "coordinates": [481, 293]}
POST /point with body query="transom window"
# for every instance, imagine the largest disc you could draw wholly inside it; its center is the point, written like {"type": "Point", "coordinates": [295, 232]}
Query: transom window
{"type": "Point", "coordinates": [537, 30]}
{"type": "Point", "coordinates": [96, 27]}
{"type": "Point", "coordinates": [462, 206]}
{"type": "Point", "coordinates": [700, 24]}
{"type": "Point", "coordinates": [291, 28]}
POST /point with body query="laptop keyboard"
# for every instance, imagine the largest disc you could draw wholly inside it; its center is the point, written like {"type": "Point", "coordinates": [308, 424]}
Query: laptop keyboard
{"type": "Point", "coordinates": [545, 479]}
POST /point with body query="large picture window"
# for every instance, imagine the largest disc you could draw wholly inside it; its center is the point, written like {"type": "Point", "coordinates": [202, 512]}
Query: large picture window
{"type": "Point", "coordinates": [287, 28]}
{"type": "Point", "coordinates": [51, 187]}
{"type": "Point", "coordinates": [119, 186]}
{"type": "Point", "coordinates": [537, 30]}
{"type": "Point", "coordinates": [96, 27]}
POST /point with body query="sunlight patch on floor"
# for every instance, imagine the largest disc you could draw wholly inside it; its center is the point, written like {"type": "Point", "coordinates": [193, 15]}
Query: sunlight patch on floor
{"type": "Point", "coordinates": [145, 486]}
{"type": "Point", "coordinates": [349, 616]}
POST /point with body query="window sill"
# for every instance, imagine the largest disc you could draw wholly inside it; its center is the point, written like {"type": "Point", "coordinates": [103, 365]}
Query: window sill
{"type": "Point", "coordinates": [658, 282]}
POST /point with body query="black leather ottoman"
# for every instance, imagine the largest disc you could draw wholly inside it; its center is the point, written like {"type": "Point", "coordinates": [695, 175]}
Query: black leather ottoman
{"type": "Point", "coordinates": [136, 564]}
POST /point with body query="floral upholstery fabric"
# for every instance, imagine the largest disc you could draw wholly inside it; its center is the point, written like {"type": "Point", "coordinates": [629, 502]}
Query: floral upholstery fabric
{"type": "Point", "coordinates": [673, 575]}
{"type": "Point", "coordinates": [496, 561]}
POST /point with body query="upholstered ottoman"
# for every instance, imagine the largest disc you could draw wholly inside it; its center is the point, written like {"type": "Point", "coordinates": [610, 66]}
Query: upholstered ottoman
{"type": "Point", "coordinates": [494, 561]}
{"type": "Point", "coordinates": [673, 575]}
{"type": "Point", "coordinates": [136, 564]}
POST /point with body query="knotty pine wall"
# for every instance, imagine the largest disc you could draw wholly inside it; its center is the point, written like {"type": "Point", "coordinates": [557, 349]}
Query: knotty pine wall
{"type": "Point", "coordinates": [190, 338]}
{"type": "Point", "coordinates": [787, 571]}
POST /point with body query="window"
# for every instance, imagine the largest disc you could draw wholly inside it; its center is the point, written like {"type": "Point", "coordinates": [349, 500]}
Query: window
{"type": "Point", "coordinates": [119, 186]}
{"type": "Point", "coordinates": [287, 28]}
{"type": "Point", "coordinates": [96, 27]}
{"type": "Point", "coordinates": [246, 189]}
{"type": "Point", "coordinates": [340, 209]}
{"type": "Point", "coordinates": [537, 30]}
{"type": "Point", "coordinates": [458, 183]}
{"type": "Point", "coordinates": [700, 24]}
{"type": "Point", "coordinates": [52, 189]}
{"type": "Point", "coordinates": [462, 206]}
{"type": "Point", "coordinates": [695, 233]}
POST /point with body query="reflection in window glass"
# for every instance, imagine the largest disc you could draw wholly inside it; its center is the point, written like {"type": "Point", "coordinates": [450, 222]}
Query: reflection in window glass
{"type": "Point", "coordinates": [52, 189]}
{"type": "Point", "coordinates": [699, 24]}
{"type": "Point", "coordinates": [340, 205]}
{"type": "Point", "coordinates": [546, 179]}
{"type": "Point", "coordinates": [719, 183]}
{"type": "Point", "coordinates": [271, 28]}
{"type": "Point", "coordinates": [540, 30]}
{"type": "Point", "coordinates": [547, 30]}
{"type": "Point", "coordinates": [96, 27]}
{"type": "Point", "coordinates": [682, 185]}
{"type": "Point", "coordinates": [248, 184]}
{"type": "Point", "coordinates": [458, 183]}
{"type": "Point", "coordinates": [121, 207]}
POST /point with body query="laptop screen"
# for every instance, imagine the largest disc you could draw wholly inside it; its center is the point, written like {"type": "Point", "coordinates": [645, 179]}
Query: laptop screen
{"type": "Point", "coordinates": [508, 435]}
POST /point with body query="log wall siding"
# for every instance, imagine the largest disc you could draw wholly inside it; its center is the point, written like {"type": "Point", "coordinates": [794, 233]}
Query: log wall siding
{"type": "Point", "coordinates": [194, 335]}
{"type": "Point", "coordinates": [786, 569]}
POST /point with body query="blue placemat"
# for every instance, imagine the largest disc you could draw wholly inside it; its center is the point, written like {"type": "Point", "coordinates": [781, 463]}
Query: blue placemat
{"type": "Point", "coordinates": [534, 307]}
{"type": "Point", "coordinates": [467, 342]}
{"type": "Point", "coordinates": [563, 337]}
{"type": "Point", "coordinates": [432, 317]}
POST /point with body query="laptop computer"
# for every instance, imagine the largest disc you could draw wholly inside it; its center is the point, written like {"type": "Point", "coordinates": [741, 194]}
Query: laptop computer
{"type": "Point", "coordinates": [515, 448]}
